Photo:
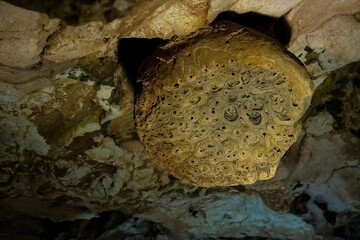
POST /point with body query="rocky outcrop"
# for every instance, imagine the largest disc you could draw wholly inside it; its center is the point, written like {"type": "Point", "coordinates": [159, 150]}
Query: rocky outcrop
{"type": "Point", "coordinates": [23, 35]}
{"type": "Point", "coordinates": [325, 34]}
{"type": "Point", "coordinates": [315, 37]}
{"type": "Point", "coordinates": [69, 150]}
{"type": "Point", "coordinates": [215, 113]}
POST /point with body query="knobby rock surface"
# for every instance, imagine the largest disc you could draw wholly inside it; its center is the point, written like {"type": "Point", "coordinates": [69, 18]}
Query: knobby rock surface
{"type": "Point", "coordinates": [215, 112]}
{"type": "Point", "coordinates": [69, 149]}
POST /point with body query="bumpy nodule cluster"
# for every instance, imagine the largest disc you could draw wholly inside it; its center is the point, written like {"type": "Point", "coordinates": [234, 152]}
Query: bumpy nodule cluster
{"type": "Point", "coordinates": [221, 107]}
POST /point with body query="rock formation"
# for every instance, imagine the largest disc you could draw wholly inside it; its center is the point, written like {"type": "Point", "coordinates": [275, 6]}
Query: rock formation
{"type": "Point", "coordinates": [69, 150]}
{"type": "Point", "coordinates": [215, 112]}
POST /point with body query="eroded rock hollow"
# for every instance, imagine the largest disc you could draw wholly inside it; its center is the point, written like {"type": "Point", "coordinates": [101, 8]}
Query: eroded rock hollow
{"type": "Point", "coordinates": [221, 107]}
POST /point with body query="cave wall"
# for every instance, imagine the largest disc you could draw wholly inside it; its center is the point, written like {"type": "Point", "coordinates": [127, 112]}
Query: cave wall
{"type": "Point", "coordinates": [69, 149]}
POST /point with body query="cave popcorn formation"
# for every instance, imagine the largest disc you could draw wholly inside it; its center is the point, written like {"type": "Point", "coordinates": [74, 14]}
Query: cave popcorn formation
{"type": "Point", "coordinates": [221, 107]}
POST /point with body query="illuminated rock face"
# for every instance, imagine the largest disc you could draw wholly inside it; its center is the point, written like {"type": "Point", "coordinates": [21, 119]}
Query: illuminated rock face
{"type": "Point", "coordinates": [221, 108]}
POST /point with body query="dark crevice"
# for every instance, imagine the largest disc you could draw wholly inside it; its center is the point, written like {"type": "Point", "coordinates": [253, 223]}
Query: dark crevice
{"type": "Point", "coordinates": [276, 28]}
{"type": "Point", "coordinates": [104, 226]}
{"type": "Point", "coordinates": [298, 205]}
{"type": "Point", "coordinates": [19, 226]}
{"type": "Point", "coordinates": [330, 217]}
{"type": "Point", "coordinates": [322, 205]}
{"type": "Point", "coordinates": [133, 51]}
{"type": "Point", "coordinates": [352, 230]}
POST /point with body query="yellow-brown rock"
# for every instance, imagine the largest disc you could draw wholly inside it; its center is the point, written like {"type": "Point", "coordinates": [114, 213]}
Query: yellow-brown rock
{"type": "Point", "coordinates": [221, 107]}
{"type": "Point", "coordinates": [23, 35]}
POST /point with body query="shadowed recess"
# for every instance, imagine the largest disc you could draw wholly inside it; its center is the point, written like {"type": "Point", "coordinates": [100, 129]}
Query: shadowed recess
{"type": "Point", "coordinates": [133, 51]}
{"type": "Point", "coordinates": [276, 28]}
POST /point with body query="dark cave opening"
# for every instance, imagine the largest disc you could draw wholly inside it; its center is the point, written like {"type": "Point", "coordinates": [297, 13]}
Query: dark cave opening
{"type": "Point", "coordinates": [133, 51]}
{"type": "Point", "coordinates": [276, 28]}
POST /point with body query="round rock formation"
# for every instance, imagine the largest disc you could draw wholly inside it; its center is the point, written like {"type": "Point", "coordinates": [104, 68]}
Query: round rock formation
{"type": "Point", "coordinates": [221, 107]}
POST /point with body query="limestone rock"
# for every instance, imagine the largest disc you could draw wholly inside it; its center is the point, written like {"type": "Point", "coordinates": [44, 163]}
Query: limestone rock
{"type": "Point", "coordinates": [309, 16]}
{"type": "Point", "coordinates": [217, 114]}
{"type": "Point", "coordinates": [319, 125]}
{"type": "Point", "coordinates": [315, 38]}
{"type": "Point", "coordinates": [63, 106]}
{"type": "Point", "coordinates": [276, 9]}
{"type": "Point", "coordinates": [318, 41]}
{"type": "Point", "coordinates": [102, 175]}
{"type": "Point", "coordinates": [148, 19]}
{"type": "Point", "coordinates": [68, 147]}
{"type": "Point", "coordinates": [23, 35]}
{"type": "Point", "coordinates": [165, 19]}
{"type": "Point", "coordinates": [119, 115]}
{"type": "Point", "coordinates": [232, 214]}
{"type": "Point", "coordinates": [92, 39]}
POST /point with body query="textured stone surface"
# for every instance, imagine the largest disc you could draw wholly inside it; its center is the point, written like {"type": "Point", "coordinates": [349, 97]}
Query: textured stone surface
{"type": "Point", "coordinates": [315, 37]}
{"type": "Point", "coordinates": [92, 39]}
{"type": "Point", "coordinates": [233, 214]}
{"type": "Point", "coordinates": [22, 39]}
{"type": "Point", "coordinates": [94, 174]}
{"type": "Point", "coordinates": [318, 41]}
{"type": "Point", "coordinates": [218, 114]}
{"type": "Point", "coordinates": [308, 15]}
{"type": "Point", "coordinates": [161, 18]}
{"type": "Point", "coordinates": [68, 148]}
{"type": "Point", "coordinates": [276, 9]}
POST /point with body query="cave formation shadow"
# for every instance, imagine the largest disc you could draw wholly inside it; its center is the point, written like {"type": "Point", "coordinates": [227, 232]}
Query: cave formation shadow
{"type": "Point", "coordinates": [132, 52]}
{"type": "Point", "coordinates": [276, 28]}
